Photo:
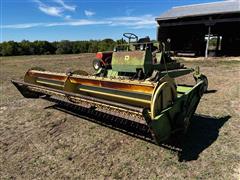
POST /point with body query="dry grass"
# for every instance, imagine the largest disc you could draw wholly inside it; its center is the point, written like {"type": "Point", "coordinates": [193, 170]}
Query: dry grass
{"type": "Point", "coordinates": [37, 141]}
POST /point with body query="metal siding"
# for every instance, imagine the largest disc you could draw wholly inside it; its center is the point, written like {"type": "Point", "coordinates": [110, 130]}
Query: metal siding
{"type": "Point", "coordinates": [202, 9]}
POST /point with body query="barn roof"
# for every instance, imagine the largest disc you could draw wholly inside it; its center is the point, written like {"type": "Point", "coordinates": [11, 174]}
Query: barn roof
{"type": "Point", "coordinates": [221, 7]}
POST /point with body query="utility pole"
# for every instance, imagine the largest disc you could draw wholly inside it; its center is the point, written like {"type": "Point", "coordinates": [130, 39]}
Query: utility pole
{"type": "Point", "coordinates": [207, 44]}
{"type": "Point", "coordinates": [217, 46]}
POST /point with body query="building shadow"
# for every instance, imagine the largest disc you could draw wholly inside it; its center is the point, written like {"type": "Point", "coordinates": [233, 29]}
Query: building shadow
{"type": "Point", "coordinates": [202, 132]}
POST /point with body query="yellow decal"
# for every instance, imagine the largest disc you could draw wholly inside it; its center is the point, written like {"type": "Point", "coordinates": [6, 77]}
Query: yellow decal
{"type": "Point", "coordinates": [126, 58]}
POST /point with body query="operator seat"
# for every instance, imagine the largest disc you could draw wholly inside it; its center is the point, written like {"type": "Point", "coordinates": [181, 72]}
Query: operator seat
{"type": "Point", "coordinates": [144, 40]}
{"type": "Point", "coordinates": [146, 43]}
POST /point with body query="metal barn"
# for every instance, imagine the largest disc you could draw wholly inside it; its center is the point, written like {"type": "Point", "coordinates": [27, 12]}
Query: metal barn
{"type": "Point", "coordinates": [188, 30]}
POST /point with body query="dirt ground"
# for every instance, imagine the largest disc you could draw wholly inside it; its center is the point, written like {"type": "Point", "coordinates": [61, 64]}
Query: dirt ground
{"type": "Point", "coordinates": [40, 141]}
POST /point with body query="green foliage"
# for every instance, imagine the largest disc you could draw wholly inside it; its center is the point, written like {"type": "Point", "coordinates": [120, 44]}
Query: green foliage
{"type": "Point", "coordinates": [213, 42]}
{"type": "Point", "coordinates": [11, 48]}
{"type": "Point", "coordinates": [64, 47]}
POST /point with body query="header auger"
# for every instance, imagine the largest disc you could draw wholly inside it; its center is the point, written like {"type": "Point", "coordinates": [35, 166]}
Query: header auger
{"type": "Point", "coordinates": [135, 81]}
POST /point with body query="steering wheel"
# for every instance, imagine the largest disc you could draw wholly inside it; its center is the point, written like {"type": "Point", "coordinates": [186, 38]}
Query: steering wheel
{"type": "Point", "coordinates": [130, 36]}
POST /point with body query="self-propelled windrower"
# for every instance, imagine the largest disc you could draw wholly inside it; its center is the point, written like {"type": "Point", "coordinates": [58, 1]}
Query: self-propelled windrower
{"type": "Point", "coordinates": [135, 81]}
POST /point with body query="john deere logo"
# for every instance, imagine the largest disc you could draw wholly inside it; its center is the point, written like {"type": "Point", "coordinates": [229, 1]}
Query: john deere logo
{"type": "Point", "coordinates": [126, 58]}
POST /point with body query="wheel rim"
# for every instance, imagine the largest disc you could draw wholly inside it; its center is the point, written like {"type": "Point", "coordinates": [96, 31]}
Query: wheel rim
{"type": "Point", "coordinates": [163, 97]}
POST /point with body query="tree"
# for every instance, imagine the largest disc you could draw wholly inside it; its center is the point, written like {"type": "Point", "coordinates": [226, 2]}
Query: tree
{"type": "Point", "coordinates": [106, 45]}
{"type": "Point", "coordinates": [64, 47]}
{"type": "Point", "coordinates": [9, 48]}
{"type": "Point", "coordinates": [43, 47]}
{"type": "Point", "coordinates": [93, 46]}
{"type": "Point", "coordinates": [25, 48]}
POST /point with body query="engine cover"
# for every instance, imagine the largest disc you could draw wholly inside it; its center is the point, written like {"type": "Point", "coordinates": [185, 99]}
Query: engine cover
{"type": "Point", "coordinates": [131, 61]}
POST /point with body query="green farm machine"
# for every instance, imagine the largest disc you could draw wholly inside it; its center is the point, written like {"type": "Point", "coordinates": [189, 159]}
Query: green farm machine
{"type": "Point", "coordinates": [134, 81]}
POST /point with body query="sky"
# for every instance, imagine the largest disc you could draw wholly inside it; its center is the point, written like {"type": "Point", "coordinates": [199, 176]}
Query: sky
{"type": "Point", "coordinates": [56, 20]}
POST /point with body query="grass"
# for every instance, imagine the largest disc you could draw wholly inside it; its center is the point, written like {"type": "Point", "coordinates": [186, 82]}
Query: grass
{"type": "Point", "coordinates": [39, 141]}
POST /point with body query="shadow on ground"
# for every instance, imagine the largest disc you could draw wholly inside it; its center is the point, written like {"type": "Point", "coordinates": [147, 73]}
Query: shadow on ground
{"type": "Point", "coordinates": [211, 91]}
{"type": "Point", "coordinates": [203, 131]}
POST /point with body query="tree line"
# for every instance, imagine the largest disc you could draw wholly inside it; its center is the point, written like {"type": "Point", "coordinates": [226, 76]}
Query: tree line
{"type": "Point", "coordinates": [12, 48]}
